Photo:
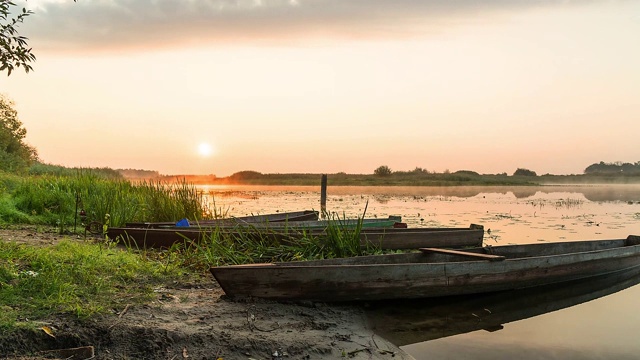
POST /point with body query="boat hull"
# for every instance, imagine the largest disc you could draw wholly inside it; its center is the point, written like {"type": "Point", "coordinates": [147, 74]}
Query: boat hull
{"type": "Point", "coordinates": [304, 215]}
{"type": "Point", "coordinates": [390, 239]}
{"type": "Point", "coordinates": [418, 275]}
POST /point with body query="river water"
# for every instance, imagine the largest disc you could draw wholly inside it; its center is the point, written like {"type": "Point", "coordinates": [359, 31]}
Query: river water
{"type": "Point", "coordinates": [596, 319]}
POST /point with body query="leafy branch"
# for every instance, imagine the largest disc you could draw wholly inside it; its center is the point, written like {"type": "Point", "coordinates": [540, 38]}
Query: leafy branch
{"type": "Point", "coordinates": [14, 50]}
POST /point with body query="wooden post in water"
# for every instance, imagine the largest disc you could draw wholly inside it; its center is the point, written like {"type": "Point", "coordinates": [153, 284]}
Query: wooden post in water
{"type": "Point", "coordinates": [323, 196]}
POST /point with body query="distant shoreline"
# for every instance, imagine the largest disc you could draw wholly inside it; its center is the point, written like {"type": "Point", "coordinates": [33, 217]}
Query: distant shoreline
{"type": "Point", "coordinates": [441, 179]}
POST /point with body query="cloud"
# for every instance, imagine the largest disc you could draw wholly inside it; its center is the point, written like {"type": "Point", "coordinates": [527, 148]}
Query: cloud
{"type": "Point", "coordinates": [107, 24]}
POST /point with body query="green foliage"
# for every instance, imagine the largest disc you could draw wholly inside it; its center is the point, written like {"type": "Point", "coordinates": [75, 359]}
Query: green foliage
{"type": "Point", "coordinates": [342, 240]}
{"type": "Point", "coordinates": [74, 278]}
{"type": "Point", "coordinates": [8, 182]}
{"type": "Point", "coordinates": [15, 154]}
{"type": "Point", "coordinates": [524, 172]}
{"type": "Point", "coordinates": [382, 170]}
{"type": "Point", "coordinates": [54, 200]}
{"type": "Point", "coordinates": [170, 201]}
{"type": "Point", "coordinates": [249, 245]}
{"type": "Point", "coordinates": [14, 51]}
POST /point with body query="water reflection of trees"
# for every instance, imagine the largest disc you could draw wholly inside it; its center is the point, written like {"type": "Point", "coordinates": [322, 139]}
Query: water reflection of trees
{"type": "Point", "coordinates": [613, 193]}
{"type": "Point", "coordinates": [521, 193]}
{"type": "Point", "coordinates": [596, 193]}
{"type": "Point", "coordinates": [409, 322]}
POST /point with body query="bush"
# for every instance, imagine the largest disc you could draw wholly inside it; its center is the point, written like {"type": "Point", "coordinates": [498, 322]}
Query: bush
{"type": "Point", "coordinates": [246, 175]}
{"type": "Point", "coordinates": [524, 172]}
{"type": "Point", "coordinates": [383, 170]}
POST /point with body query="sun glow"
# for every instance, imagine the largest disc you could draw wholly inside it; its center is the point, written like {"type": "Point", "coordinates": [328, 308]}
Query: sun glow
{"type": "Point", "coordinates": [205, 149]}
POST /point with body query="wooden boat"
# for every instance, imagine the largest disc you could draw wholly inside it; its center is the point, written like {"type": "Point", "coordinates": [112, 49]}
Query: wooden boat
{"type": "Point", "coordinates": [432, 272]}
{"type": "Point", "coordinates": [304, 215]}
{"type": "Point", "coordinates": [389, 238]}
{"type": "Point", "coordinates": [375, 223]}
{"type": "Point", "coordinates": [407, 322]}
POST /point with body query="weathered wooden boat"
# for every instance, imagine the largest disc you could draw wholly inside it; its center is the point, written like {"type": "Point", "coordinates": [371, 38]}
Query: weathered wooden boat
{"type": "Point", "coordinates": [389, 238]}
{"type": "Point", "coordinates": [407, 322]}
{"type": "Point", "coordinates": [304, 215]}
{"type": "Point", "coordinates": [432, 272]}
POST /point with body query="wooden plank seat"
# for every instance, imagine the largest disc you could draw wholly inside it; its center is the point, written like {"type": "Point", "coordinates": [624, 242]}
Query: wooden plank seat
{"type": "Point", "coordinates": [463, 253]}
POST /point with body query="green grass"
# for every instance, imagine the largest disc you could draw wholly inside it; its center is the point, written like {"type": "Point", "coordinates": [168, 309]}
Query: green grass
{"type": "Point", "coordinates": [80, 279]}
{"type": "Point", "coordinates": [57, 200]}
{"type": "Point", "coordinates": [343, 240]}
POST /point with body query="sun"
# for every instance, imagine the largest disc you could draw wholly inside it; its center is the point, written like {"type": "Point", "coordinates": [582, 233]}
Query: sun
{"type": "Point", "coordinates": [205, 149]}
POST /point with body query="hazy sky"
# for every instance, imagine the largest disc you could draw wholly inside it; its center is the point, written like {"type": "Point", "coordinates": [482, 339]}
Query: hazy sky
{"type": "Point", "coordinates": [332, 85]}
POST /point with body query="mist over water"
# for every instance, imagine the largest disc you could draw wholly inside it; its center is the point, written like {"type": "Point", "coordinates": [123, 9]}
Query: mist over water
{"type": "Point", "coordinates": [588, 321]}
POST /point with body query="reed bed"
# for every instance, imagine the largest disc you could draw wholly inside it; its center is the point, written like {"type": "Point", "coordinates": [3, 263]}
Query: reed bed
{"type": "Point", "coordinates": [58, 201]}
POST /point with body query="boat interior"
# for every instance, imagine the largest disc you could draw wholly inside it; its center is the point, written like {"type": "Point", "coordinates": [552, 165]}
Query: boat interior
{"type": "Point", "coordinates": [487, 253]}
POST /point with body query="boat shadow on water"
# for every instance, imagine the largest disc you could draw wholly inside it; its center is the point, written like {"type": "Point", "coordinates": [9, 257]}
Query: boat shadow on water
{"type": "Point", "coordinates": [405, 322]}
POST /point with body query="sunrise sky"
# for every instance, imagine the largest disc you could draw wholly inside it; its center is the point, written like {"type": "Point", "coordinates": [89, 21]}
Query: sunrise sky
{"type": "Point", "coordinates": [323, 86]}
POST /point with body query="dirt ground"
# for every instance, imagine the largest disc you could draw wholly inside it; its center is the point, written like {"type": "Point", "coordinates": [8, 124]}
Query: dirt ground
{"type": "Point", "coordinates": [197, 321]}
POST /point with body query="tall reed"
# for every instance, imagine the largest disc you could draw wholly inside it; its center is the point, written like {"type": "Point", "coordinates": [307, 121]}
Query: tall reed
{"type": "Point", "coordinates": [56, 200]}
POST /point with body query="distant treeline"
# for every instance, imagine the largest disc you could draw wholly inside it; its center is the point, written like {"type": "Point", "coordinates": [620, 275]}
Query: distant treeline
{"type": "Point", "coordinates": [414, 178]}
{"type": "Point", "coordinates": [602, 172]}
{"type": "Point", "coordinates": [614, 168]}
{"type": "Point", "coordinates": [383, 175]}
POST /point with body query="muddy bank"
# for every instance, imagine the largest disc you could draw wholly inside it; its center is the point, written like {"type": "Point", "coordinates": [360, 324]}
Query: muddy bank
{"type": "Point", "coordinates": [197, 322]}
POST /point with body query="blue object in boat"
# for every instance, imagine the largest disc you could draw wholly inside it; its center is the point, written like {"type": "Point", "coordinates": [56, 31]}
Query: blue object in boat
{"type": "Point", "coordinates": [183, 223]}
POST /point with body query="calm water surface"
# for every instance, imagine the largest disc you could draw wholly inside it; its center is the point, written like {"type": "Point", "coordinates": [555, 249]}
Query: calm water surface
{"type": "Point", "coordinates": [599, 319]}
